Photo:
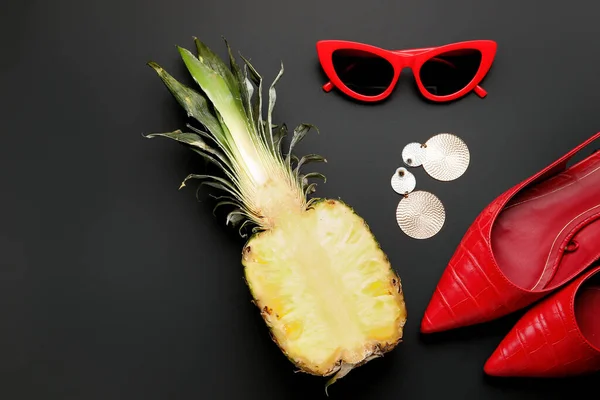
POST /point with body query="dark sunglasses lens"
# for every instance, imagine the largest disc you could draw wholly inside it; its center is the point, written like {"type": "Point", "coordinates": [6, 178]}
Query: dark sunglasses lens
{"type": "Point", "coordinates": [363, 72]}
{"type": "Point", "coordinates": [449, 72]}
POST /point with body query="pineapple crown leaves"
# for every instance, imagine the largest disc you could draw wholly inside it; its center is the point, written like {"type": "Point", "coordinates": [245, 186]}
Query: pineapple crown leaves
{"type": "Point", "coordinates": [233, 134]}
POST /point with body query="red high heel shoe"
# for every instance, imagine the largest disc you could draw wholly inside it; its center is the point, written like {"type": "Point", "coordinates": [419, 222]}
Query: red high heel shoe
{"type": "Point", "coordinates": [558, 337]}
{"type": "Point", "coordinates": [534, 238]}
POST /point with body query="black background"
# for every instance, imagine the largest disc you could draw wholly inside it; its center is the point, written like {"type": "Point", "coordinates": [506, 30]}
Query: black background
{"type": "Point", "coordinates": [115, 285]}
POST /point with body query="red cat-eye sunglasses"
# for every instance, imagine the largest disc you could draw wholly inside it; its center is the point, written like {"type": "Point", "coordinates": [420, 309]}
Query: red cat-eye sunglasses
{"type": "Point", "coordinates": [369, 73]}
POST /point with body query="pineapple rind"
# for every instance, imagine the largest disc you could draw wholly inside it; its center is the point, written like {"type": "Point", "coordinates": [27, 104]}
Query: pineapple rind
{"type": "Point", "coordinates": [290, 306]}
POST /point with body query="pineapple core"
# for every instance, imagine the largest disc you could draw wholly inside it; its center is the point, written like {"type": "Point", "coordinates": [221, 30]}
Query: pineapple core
{"type": "Point", "coordinates": [325, 288]}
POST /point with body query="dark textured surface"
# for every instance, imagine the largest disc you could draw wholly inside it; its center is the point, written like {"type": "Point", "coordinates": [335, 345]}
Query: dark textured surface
{"type": "Point", "coordinates": [114, 285]}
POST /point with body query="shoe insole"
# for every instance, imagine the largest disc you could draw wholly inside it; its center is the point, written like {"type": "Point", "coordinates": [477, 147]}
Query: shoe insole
{"type": "Point", "coordinates": [531, 234]}
{"type": "Point", "coordinates": [587, 313]}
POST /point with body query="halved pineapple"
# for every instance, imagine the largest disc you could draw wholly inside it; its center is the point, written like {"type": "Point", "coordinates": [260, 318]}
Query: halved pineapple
{"type": "Point", "coordinates": [324, 286]}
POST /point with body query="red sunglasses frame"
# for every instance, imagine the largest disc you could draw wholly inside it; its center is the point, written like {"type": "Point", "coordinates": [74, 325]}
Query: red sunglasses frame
{"type": "Point", "coordinates": [400, 59]}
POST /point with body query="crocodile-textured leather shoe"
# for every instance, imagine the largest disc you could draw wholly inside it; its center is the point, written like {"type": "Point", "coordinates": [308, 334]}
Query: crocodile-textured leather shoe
{"type": "Point", "coordinates": [558, 337]}
{"type": "Point", "coordinates": [530, 241]}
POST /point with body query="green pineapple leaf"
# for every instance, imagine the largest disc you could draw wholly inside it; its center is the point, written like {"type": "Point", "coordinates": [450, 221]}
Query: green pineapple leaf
{"type": "Point", "coordinates": [214, 62]}
{"type": "Point", "coordinates": [195, 104]}
{"type": "Point", "coordinates": [308, 159]}
{"type": "Point", "coordinates": [272, 99]}
{"type": "Point", "coordinates": [246, 89]}
{"type": "Point", "coordinates": [257, 106]}
{"type": "Point", "coordinates": [299, 132]}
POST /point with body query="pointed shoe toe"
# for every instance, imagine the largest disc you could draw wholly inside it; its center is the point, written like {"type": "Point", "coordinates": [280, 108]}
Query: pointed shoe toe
{"type": "Point", "coordinates": [469, 292]}
{"type": "Point", "coordinates": [500, 365]}
{"type": "Point", "coordinates": [513, 358]}
{"type": "Point", "coordinates": [440, 316]}
{"type": "Point", "coordinates": [558, 337]}
{"type": "Point", "coordinates": [465, 295]}
{"type": "Point", "coordinates": [529, 242]}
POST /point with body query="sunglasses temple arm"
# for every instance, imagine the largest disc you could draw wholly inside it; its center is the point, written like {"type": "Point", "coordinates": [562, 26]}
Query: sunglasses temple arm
{"type": "Point", "coordinates": [479, 91]}
{"type": "Point", "coordinates": [328, 86]}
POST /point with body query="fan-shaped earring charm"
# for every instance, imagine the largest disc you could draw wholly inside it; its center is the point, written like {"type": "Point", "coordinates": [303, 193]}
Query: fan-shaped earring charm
{"type": "Point", "coordinates": [447, 157]}
{"type": "Point", "coordinates": [420, 215]}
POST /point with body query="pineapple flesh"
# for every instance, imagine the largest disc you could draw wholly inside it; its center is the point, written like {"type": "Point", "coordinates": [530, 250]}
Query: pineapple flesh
{"type": "Point", "coordinates": [323, 285]}
{"type": "Point", "coordinates": [325, 288]}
